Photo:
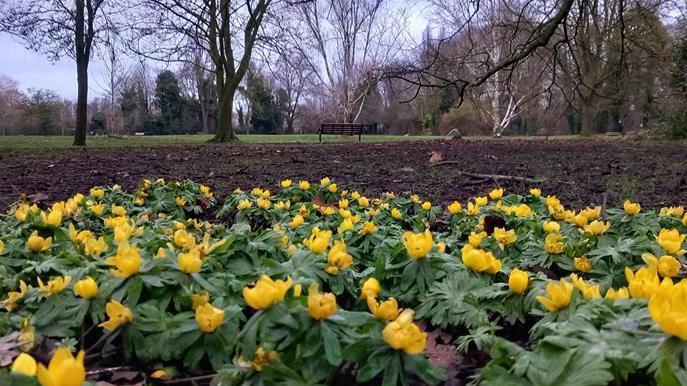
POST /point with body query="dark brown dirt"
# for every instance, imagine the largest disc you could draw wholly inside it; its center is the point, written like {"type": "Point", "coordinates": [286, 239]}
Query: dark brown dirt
{"type": "Point", "coordinates": [578, 171]}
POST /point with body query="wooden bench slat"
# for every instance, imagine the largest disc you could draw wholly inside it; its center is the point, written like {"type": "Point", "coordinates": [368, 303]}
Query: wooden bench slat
{"type": "Point", "coordinates": [341, 129]}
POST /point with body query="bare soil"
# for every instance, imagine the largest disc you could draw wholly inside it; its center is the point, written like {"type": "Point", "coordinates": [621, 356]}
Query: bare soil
{"type": "Point", "coordinates": [655, 173]}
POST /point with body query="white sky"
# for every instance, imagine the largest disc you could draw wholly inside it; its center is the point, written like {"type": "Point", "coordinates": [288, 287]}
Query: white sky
{"type": "Point", "coordinates": [34, 70]}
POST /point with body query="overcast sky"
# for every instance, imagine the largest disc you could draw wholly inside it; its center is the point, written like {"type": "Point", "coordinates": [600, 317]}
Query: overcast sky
{"type": "Point", "coordinates": [33, 70]}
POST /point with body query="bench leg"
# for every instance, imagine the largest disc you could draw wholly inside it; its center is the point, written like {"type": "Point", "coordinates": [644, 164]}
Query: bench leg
{"type": "Point", "coordinates": [360, 137]}
{"type": "Point", "coordinates": [320, 137]}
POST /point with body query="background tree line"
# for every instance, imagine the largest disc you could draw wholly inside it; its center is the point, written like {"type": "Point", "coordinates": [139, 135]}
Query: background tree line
{"type": "Point", "coordinates": [282, 66]}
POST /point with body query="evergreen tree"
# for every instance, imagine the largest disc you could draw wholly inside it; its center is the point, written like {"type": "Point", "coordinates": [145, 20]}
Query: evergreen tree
{"type": "Point", "coordinates": [265, 117]}
{"type": "Point", "coordinates": [169, 102]}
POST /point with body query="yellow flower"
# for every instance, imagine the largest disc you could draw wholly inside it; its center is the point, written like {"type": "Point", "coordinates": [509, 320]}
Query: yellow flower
{"type": "Point", "coordinates": [666, 266]}
{"type": "Point", "coordinates": [631, 208]}
{"type": "Point", "coordinates": [597, 227]}
{"type": "Point", "coordinates": [281, 205]}
{"type": "Point", "coordinates": [190, 262]}
{"type": "Point", "coordinates": [504, 237]}
{"type": "Point", "coordinates": [63, 369]}
{"type": "Point", "coordinates": [209, 318]}
{"type": "Point", "coordinates": [54, 286]}
{"type": "Point", "coordinates": [343, 203]}
{"type": "Point", "coordinates": [303, 184]}
{"type": "Point", "coordinates": [403, 334]}
{"type": "Point", "coordinates": [551, 227]}
{"type": "Point", "coordinates": [643, 283]}
{"type": "Point", "coordinates": [95, 247]}
{"type": "Point", "coordinates": [553, 243]}
{"type": "Point", "coordinates": [296, 221]}
{"type": "Point", "coordinates": [582, 264]}
{"type": "Point", "coordinates": [286, 183]}
{"type": "Point", "coordinates": [668, 308]}
{"type": "Point", "coordinates": [320, 305]}
{"type": "Point", "coordinates": [523, 210]}
{"type": "Point", "coordinates": [159, 374]}
{"type": "Point", "coordinates": [97, 209]}
{"type": "Point", "coordinates": [363, 202]}
{"type": "Point", "coordinates": [620, 293]}
{"type": "Point", "coordinates": [86, 288]}
{"type": "Point", "coordinates": [386, 310]}
{"type": "Point", "coordinates": [205, 191]}
{"type": "Point", "coordinates": [118, 211]}
{"type": "Point", "coordinates": [684, 220]}
{"type": "Point", "coordinates": [472, 210]}
{"type": "Point", "coordinates": [332, 188]}
{"type": "Point", "coordinates": [244, 204]}
{"type": "Point", "coordinates": [441, 247]}
{"type": "Point", "coordinates": [418, 245]}
{"type": "Point", "coordinates": [318, 240]}
{"type": "Point", "coordinates": [370, 288]}
{"type": "Point", "coordinates": [580, 220]}
{"type": "Point", "coordinates": [368, 227]}
{"type": "Point", "coordinates": [536, 192]}
{"type": "Point", "coordinates": [264, 203]}
{"type": "Point", "coordinates": [266, 292]}
{"type": "Point", "coordinates": [14, 296]}
{"type": "Point", "coordinates": [518, 280]}
{"type": "Point", "coordinates": [25, 364]}
{"type": "Point", "coordinates": [338, 258]}
{"type": "Point", "coordinates": [396, 214]}
{"type": "Point", "coordinates": [592, 213]}
{"type": "Point", "coordinates": [126, 262]}
{"type": "Point", "coordinates": [54, 218]}
{"type": "Point", "coordinates": [346, 225]}
{"type": "Point", "coordinates": [588, 290]}
{"type": "Point", "coordinates": [479, 260]}
{"type": "Point", "coordinates": [496, 194]}
{"type": "Point", "coordinates": [355, 195]}
{"type": "Point", "coordinates": [672, 211]}
{"type": "Point", "coordinates": [2, 247]}
{"type": "Point", "coordinates": [37, 244]}
{"type": "Point", "coordinates": [181, 202]}
{"type": "Point", "coordinates": [426, 205]}
{"type": "Point", "coordinates": [558, 295]}
{"type": "Point", "coordinates": [671, 241]}
{"type": "Point", "coordinates": [125, 230]}
{"type": "Point", "coordinates": [455, 207]}
{"type": "Point", "coordinates": [184, 239]}
{"type": "Point", "coordinates": [256, 192]}
{"type": "Point", "coordinates": [481, 201]}
{"type": "Point", "coordinates": [261, 357]}
{"type": "Point", "coordinates": [119, 315]}
{"type": "Point", "coordinates": [475, 239]}
{"type": "Point", "coordinates": [199, 299]}
{"type": "Point", "coordinates": [97, 192]}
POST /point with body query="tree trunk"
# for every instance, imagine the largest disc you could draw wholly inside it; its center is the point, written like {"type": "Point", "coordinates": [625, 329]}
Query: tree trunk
{"type": "Point", "coordinates": [225, 127]}
{"type": "Point", "coordinates": [588, 118]}
{"type": "Point", "coordinates": [81, 103]}
{"type": "Point", "coordinates": [81, 75]}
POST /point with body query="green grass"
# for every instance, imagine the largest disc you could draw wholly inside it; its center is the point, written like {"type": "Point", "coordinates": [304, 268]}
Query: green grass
{"type": "Point", "coordinates": [57, 142]}
{"type": "Point", "coordinates": [64, 142]}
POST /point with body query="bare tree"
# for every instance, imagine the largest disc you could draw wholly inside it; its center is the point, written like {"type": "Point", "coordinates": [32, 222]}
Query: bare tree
{"type": "Point", "coordinates": [58, 28]}
{"type": "Point", "coordinates": [227, 30]}
{"type": "Point", "coordinates": [290, 71]}
{"type": "Point", "coordinates": [345, 43]}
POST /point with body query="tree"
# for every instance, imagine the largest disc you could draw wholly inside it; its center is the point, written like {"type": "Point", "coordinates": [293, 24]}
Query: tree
{"type": "Point", "coordinates": [10, 104]}
{"type": "Point", "coordinates": [344, 42]}
{"type": "Point", "coordinates": [265, 116]}
{"type": "Point", "coordinates": [42, 112]}
{"type": "Point", "coordinates": [227, 30]}
{"type": "Point", "coordinates": [169, 102]}
{"type": "Point", "coordinates": [59, 28]}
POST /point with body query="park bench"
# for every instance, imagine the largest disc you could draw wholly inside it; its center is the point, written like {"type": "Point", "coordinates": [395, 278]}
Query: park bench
{"type": "Point", "coordinates": [341, 129]}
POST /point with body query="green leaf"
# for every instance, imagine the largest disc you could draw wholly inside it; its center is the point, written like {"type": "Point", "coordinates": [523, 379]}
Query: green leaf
{"type": "Point", "coordinates": [332, 346]}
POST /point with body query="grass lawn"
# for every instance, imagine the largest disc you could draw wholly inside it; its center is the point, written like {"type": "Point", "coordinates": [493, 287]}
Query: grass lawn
{"type": "Point", "coordinates": [47, 142]}
{"type": "Point", "coordinates": [32, 142]}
